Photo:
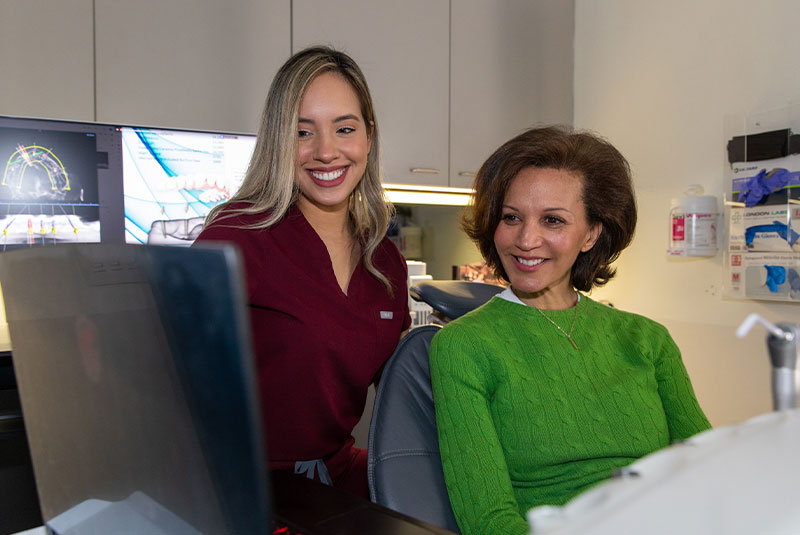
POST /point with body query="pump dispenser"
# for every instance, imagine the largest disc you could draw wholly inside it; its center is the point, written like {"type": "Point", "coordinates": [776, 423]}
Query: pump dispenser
{"type": "Point", "coordinates": [693, 224]}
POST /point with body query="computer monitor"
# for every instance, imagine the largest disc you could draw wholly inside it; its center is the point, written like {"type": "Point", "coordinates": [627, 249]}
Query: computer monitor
{"type": "Point", "coordinates": [83, 182]}
{"type": "Point", "coordinates": [60, 182]}
{"type": "Point", "coordinates": [173, 178]}
{"type": "Point", "coordinates": [136, 378]}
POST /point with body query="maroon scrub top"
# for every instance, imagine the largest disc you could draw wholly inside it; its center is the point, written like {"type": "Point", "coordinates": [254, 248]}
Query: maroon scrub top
{"type": "Point", "coordinates": [317, 350]}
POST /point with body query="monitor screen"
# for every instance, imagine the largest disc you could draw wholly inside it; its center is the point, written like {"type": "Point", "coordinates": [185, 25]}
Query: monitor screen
{"type": "Point", "coordinates": [173, 178]}
{"type": "Point", "coordinates": [58, 182]}
{"type": "Point", "coordinates": [140, 403]}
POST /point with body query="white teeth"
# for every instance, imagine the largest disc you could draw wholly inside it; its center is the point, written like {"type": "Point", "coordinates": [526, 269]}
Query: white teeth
{"type": "Point", "coordinates": [333, 175]}
{"type": "Point", "coordinates": [525, 262]}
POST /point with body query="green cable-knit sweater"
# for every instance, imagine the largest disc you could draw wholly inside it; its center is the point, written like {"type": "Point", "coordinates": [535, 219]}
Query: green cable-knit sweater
{"type": "Point", "coordinates": [524, 419]}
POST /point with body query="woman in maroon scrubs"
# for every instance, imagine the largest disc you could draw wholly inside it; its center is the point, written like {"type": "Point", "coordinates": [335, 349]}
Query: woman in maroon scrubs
{"type": "Point", "coordinates": [326, 288]}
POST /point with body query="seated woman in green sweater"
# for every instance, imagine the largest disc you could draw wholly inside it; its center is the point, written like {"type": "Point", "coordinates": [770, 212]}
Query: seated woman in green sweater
{"type": "Point", "coordinates": [543, 392]}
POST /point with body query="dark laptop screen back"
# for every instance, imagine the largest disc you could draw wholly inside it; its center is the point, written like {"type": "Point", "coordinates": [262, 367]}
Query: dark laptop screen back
{"type": "Point", "coordinates": [135, 374]}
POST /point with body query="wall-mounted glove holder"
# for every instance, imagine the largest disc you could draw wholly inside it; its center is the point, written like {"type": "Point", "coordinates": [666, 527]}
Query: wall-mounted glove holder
{"type": "Point", "coordinates": [762, 208]}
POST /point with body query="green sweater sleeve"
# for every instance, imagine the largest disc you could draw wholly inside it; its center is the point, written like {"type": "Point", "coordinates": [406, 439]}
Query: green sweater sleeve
{"type": "Point", "coordinates": [684, 415]}
{"type": "Point", "coordinates": [481, 496]}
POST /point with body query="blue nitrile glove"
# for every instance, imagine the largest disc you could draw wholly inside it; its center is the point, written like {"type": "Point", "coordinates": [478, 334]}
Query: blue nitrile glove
{"type": "Point", "coordinates": [762, 185]}
{"type": "Point", "coordinates": [784, 231]}
{"type": "Point", "coordinates": [776, 275]}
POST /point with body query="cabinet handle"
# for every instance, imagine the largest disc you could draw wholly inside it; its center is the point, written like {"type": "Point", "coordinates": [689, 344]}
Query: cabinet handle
{"type": "Point", "coordinates": [424, 170]}
{"type": "Point", "coordinates": [467, 173]}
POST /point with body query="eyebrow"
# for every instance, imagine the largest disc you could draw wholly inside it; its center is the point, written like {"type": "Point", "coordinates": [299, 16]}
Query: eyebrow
{"type": "Point", "coordinates": [348, 117]}
{"type": "Point", "coordinates": [551, 209]}
{"type": "Point", "coordinates": [545, 210]}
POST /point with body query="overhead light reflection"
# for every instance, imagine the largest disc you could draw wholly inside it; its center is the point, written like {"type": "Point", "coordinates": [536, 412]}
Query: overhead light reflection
{"type": "Point", "coordinates": [407, 194]}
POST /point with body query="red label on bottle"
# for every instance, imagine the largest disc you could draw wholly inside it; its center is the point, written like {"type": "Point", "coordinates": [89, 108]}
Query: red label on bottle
{"type": "Point", "coordinates": [678, 229]}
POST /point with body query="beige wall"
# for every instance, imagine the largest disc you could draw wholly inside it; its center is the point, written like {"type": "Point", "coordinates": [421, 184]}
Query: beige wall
{"type": "Point", "coordinates": [46, 59]}
{"type": "Point", "coordinates": [659, 79]}
{"type": "Point", "coordinates": [444, 244]}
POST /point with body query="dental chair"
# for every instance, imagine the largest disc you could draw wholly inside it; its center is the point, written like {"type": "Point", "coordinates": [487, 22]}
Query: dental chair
{"type": "Point", "coordinates": [453, 299]}
{"type": "Point", "coordinates": [404, 469]}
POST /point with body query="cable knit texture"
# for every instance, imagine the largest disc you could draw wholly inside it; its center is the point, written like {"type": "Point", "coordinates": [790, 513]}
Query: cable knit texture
{"type": "Point", "coordinates": [524, 419]}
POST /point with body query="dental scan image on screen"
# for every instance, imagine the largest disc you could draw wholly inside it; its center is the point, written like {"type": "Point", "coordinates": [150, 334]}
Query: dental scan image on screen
{"type": "Point", "coordinates": [49, 187]}
{"type": "Point", "coordinates": [172, 179]}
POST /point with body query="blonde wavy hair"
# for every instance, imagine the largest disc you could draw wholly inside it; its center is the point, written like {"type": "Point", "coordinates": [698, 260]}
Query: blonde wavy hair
{"type": "Point", "coordinates": [269, 186]}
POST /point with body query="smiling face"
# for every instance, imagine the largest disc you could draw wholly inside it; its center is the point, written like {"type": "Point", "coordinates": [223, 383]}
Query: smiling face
{"type": "Point", "coordinates": [542, 230]}
{"type": "Point", "coordinates": [333, 144]}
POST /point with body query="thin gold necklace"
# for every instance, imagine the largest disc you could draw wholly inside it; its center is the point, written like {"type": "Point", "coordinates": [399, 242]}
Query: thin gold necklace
{"type": "Point", "coordinates": [571, 327]}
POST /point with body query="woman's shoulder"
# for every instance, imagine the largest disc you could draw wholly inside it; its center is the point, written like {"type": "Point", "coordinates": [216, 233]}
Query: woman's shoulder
{"type": "Point", "coordinates": [235, 225]}
{"type": "Point", "coordinates": [471, 341]}
{"type": "Point", "coordinates": [621, 319]}
{"type": "Point", "coordinates": [389, 250]}
{"type": "Point", "coordinates": [238, 214]}
{"type": "Point", "coordinates": [475, 324]}
{"type": "Point", "coordinates": [388, 258]}
{"type": "Point", "coordinates": [241, 216]}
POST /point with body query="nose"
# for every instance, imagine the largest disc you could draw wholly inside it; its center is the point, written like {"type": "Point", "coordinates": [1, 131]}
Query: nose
{"type": "Point", "coordinates": [529, 236]}
{"type": "Point", "coordinates": [325, 148]}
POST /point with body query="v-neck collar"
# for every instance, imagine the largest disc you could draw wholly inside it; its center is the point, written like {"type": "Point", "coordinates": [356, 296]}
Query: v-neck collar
{"type": "Point", "coordinates": [321, 256]}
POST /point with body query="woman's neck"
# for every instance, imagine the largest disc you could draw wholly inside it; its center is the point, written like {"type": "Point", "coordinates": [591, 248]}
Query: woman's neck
{"type": "Point", "coordinates": [335, 229]}
{"type": "Point", "coordinates": [330, 223]}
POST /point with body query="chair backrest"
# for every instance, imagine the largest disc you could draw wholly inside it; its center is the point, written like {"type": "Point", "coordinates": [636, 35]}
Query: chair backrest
{"type": "Point", "coordinates": [404, 468]}
{"type": "Point", "coordinates": [453, 299]}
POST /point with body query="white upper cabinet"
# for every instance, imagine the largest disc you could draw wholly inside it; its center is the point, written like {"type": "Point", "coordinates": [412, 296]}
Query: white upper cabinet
{"type": "Point", "coordinates": [201, 64]}
{"type": "Point", "coordinates": [511, 68]}
{"type": "Point", "coordinates": [47, 59]}
{"type": "Point", "coordinates": [451, 80]}
{"type": "Point", "coordinates": [403, 49]}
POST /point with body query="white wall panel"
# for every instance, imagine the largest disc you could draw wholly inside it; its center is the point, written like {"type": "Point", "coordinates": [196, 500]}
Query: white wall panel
{"type": "Point", "coordinates": [200, 64]}
{"type": "Point", "coordinates": [46, 59]}
{"type": "Point", "coordinates": [658, 79]}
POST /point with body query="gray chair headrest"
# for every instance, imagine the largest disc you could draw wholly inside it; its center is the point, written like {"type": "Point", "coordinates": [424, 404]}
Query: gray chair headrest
{"type": "Point", "coordinates": [404, 468]}
{"type": "Point", "coordinates": [454, 298]}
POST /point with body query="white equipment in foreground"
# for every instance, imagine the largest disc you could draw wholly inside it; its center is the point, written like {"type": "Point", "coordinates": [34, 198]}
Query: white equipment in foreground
{"type": "Point", "coordinates": [736, 480]}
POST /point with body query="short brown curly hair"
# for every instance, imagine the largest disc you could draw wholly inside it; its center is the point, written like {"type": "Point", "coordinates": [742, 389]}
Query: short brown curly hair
{"type": "Point", "coordinates": [607, 195]}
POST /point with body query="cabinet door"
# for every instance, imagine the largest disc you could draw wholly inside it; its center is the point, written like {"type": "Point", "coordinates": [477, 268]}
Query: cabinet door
{"type": "Point", "coordinates": [511, 68]}
{"type": "Point", "coordinates": [403, 49]}
{"type": "Point", "coordinates": [198, 64]}
{"type": "Point", "coordinates": [46, 59]}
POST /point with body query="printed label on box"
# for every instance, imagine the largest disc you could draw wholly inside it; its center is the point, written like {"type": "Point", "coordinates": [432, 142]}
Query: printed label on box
{"type": "Point", "coordinates": [765, 228]}
{"type": "Point", "coordinates": [765, 276]}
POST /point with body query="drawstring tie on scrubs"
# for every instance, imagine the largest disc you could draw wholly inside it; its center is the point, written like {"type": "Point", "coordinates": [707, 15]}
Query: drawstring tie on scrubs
{"type": "Point", "coordinates": [308, 467]}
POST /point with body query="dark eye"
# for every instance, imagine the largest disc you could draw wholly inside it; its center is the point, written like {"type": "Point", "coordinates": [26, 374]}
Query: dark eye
{"type": "Point", "coordinates": [553, 220]}
{"type": "Point", "coordinates": [303, 133]}
{"type": "Point", "coordinates": [346, 130]}
{"type": "Point", "coordinates": [510, 218]}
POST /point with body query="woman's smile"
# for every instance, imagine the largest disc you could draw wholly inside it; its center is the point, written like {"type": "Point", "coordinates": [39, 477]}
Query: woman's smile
{"type": "Point", "coordinates": [533, 262]}
{"type": "Point", "coordinates": [329, 178]}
